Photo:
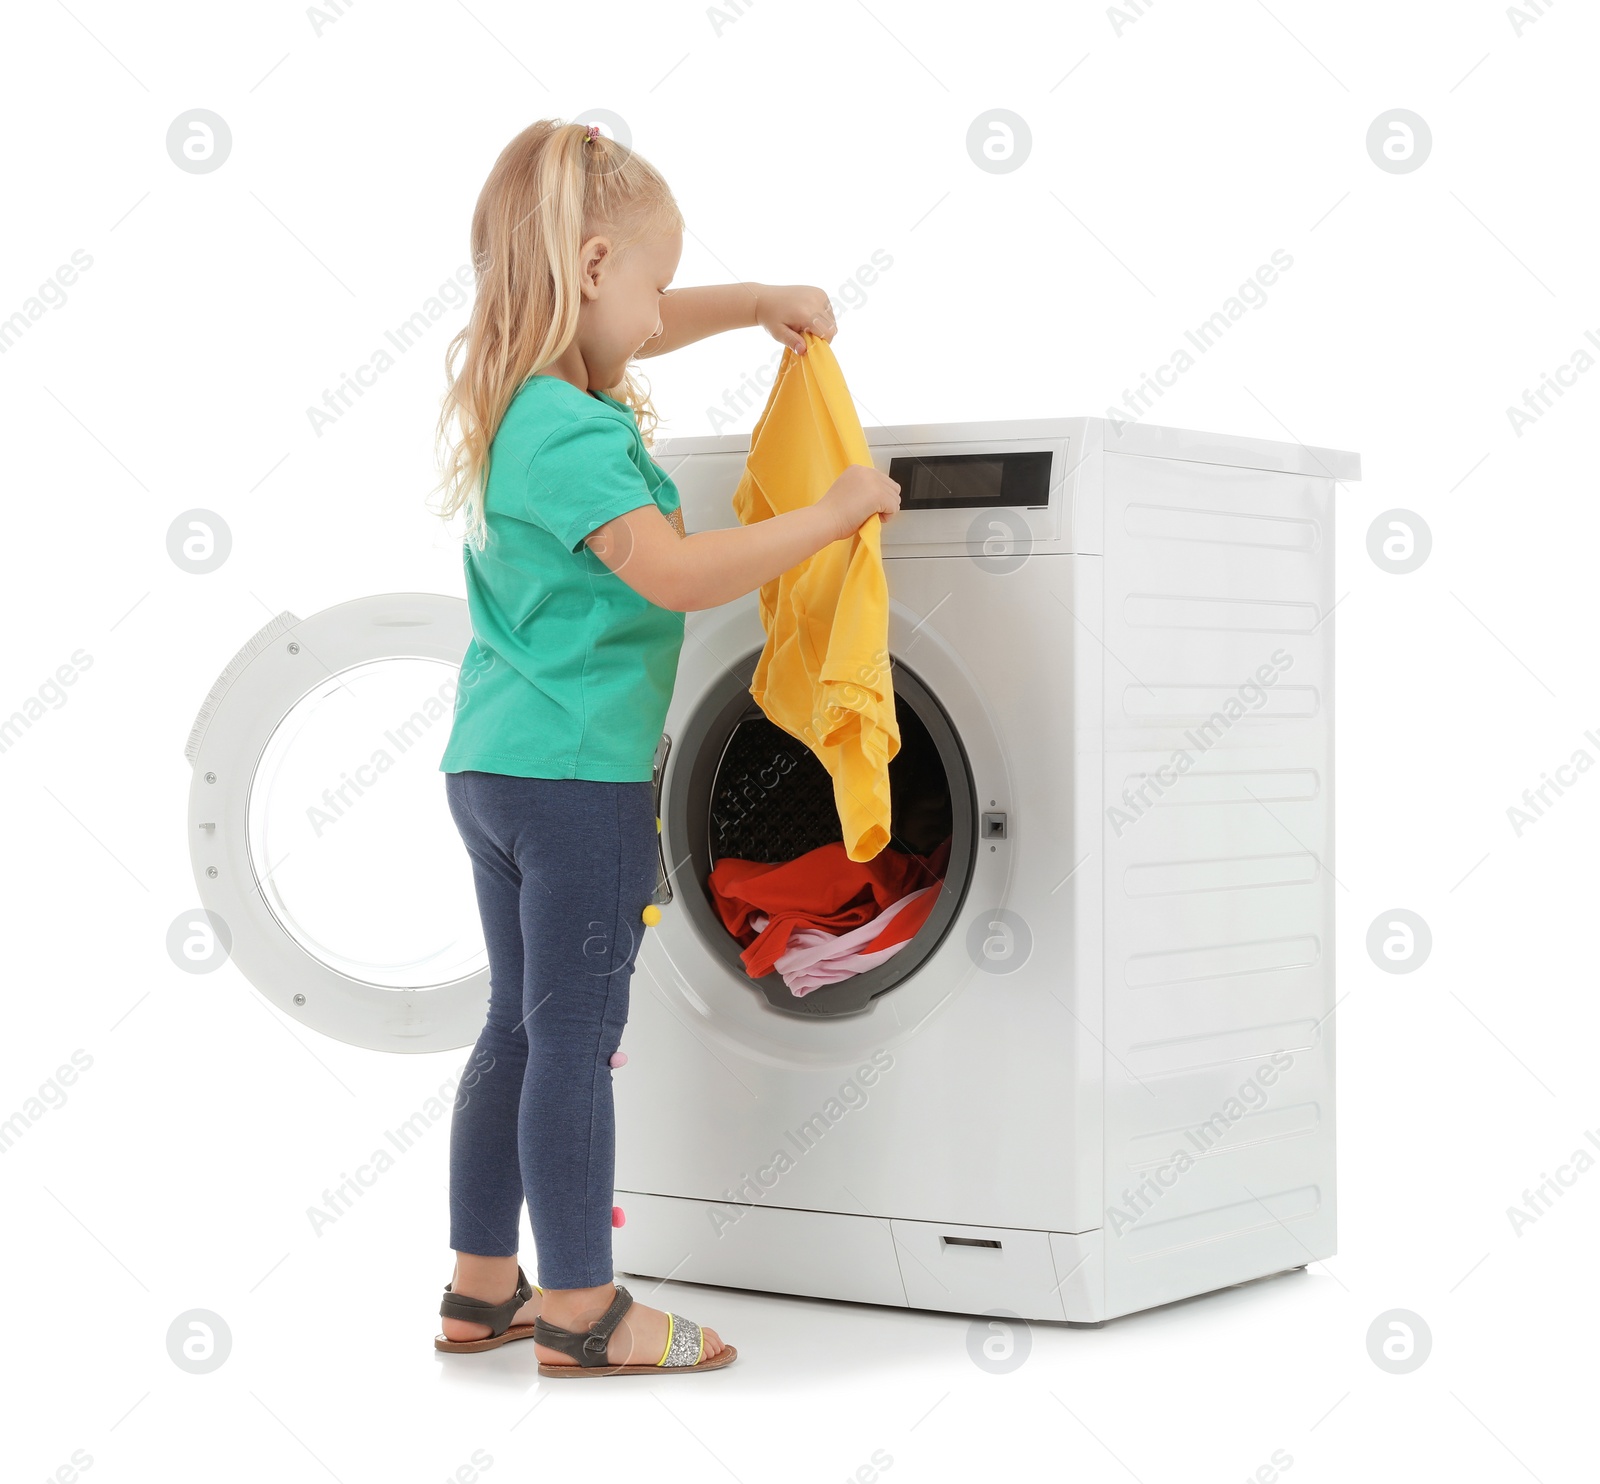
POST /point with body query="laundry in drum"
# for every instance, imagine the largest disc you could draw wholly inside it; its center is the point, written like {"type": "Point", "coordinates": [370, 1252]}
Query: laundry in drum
{"type": "Point", "coordinates": [824, 671]}
{"type": "Point", "coordinates": [823, 917]}
{"type": "Point", "coordinates": [815, 957]}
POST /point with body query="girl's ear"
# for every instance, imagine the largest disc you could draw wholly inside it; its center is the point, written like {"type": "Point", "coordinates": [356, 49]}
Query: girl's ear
{"type": "Point", "coordinates": [593, 259]}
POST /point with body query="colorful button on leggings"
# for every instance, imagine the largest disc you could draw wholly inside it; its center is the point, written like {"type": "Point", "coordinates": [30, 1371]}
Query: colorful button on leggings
{"type": "Point", "coordinates": [563, 869]}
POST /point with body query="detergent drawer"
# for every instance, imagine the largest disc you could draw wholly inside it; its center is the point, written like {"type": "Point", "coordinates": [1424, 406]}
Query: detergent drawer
{"type": "Point", "coordinates": [822, 1254]}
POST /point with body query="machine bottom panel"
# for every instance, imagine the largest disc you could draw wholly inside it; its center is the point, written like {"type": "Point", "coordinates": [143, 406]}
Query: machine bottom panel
{"type": "Point", "coordinates": [862, 1259]}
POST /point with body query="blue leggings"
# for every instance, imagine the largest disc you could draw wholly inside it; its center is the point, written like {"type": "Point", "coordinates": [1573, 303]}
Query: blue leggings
{"type": "Point", "coordinates": [563, 868]}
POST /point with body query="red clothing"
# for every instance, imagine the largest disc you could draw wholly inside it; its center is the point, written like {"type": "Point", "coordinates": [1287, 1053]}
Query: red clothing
{"type": "Point", "coordinates": [823, 889]}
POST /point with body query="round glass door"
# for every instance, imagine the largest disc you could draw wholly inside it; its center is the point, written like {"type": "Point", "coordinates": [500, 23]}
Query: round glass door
{"type": "Point", "coordinates": [347, 834]}
{"type": "Point", "coordinates": [320, 831]}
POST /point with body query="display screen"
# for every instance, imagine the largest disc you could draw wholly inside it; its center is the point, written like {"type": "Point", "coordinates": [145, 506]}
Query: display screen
{"type": "Point", "coordinates": [971, 481]}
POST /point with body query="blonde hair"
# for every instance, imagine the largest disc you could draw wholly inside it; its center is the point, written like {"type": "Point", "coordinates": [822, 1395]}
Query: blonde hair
{"type": "Point", "coordinates": [552, 188]}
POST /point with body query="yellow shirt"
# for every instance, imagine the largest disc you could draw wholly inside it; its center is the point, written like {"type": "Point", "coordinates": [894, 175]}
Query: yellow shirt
{"type": "Point", "coordinates": [824, 674]}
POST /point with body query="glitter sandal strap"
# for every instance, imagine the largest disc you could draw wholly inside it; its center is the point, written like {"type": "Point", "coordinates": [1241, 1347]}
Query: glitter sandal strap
{"type": "Point", "coordinates": [685, 1342]}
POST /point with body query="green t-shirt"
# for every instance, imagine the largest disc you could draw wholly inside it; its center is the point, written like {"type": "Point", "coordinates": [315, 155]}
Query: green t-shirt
{"type": "Point", "coordinates": [569, 671]}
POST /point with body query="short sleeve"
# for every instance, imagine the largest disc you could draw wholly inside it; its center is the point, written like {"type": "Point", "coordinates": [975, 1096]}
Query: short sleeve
{"type": "Point", "coordinates": [666, 492]}
{"type": "Point", "coordinates": [583, 475]}
{"type": "Point", "coordinates": [668, 496]}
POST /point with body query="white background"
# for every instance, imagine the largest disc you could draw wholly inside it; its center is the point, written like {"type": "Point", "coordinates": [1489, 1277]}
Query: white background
{"type": "Point", "coordinates": [1172, 152]}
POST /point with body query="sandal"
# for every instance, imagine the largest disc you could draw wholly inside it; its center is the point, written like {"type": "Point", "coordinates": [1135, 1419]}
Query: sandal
{"type": "Point", "coordinates": [480, 1311]}
{"type": "Point", "coordinates": [684, 1352]}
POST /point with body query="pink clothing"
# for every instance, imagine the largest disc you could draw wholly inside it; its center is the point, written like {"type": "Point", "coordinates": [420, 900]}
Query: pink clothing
{"type": "Point", "coordinates": [814, 957]}
{"type": "Point", "coordinates": [802, 981]}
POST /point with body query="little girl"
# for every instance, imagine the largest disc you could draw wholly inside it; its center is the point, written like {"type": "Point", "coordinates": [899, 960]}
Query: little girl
{"type": "Point", "coordinates": [578, 576]}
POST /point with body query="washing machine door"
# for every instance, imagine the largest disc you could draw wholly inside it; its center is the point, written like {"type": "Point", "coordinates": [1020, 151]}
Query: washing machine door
{"type": "Point", "coordinates": [731, 784]}
{"type": "Point", "coordinates": [744, 789]}
{"type": "Point", "coordinates": [328, 866]}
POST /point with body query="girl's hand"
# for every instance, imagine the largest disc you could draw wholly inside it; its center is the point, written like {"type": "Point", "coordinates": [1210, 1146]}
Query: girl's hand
{"type": "Point", "coordinates": [859, 493]}
{"type": "Point", "coordinates": [785, 311]}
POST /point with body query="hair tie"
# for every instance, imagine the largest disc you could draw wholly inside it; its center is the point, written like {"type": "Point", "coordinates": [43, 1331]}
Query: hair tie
{"type": "Point", "coordinates": [593, 134]}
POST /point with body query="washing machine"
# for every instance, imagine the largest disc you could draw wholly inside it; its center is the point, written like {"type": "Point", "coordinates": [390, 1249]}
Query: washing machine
{"type": "Point", "coordinates": [1101, 1075]}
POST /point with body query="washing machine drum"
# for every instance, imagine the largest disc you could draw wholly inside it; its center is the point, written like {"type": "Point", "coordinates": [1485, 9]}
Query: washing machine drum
{"type": "Point", "coordinates": [740, 787]}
